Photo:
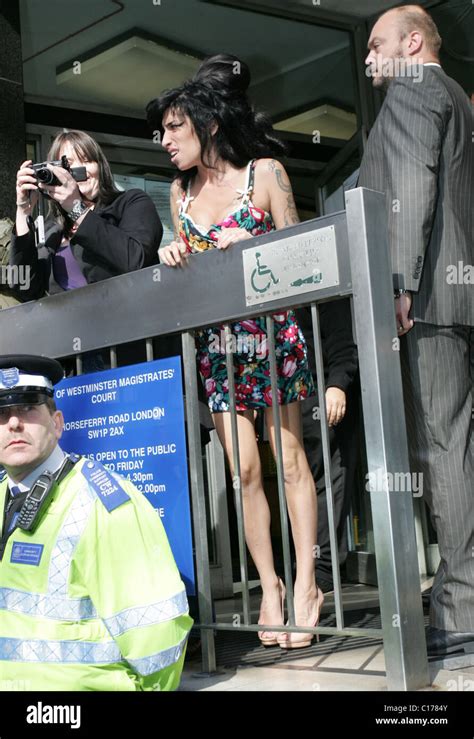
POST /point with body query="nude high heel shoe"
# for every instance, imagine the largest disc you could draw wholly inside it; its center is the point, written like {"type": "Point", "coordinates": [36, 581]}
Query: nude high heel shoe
{"type": "Point", "coordinates": [270, 638]}
{"type": "Point", "coordinates": [288, 640]}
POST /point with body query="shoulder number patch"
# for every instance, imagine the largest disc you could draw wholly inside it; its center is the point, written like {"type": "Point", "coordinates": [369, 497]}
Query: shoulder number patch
{"type": "Point", "coordinates": [105, 486]}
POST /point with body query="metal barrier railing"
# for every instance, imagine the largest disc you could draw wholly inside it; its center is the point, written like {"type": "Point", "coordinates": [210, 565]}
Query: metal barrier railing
{"type": "Point", "coordinates": [333, 256]}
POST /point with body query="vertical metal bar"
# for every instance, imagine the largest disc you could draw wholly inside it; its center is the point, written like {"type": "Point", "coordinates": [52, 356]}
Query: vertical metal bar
{"type": "Point", "coordinates": [280, 472]}
{"type": "Point", "coordinates": [319, 201]}
{"type": "Point", "coordinates": [45, 145]}
{"type": "Point", "coordinates": [113, 357]}
{"type": "Point", "coordinates": [198, 501]}
{"type": "Point", "coordinates": [237, 481]}
{"type": "Point", "coordinates": [221, 572]}
{"type": "Point", "coordinates": [78, 365]}
{"type": "Point", "coordinates": [318, 352]}
{"type": "Point", "coordinates": [355, 63]}
{"type": "Point", "coordinates": [149, 350]}
{"type": "Point", "coordinates": [350, 531]}
{"type": "Point", "coordinates": [420, 514]}
{"type": "Point", "coordinates": [425, 536]}
{"type": "Point", "coordinates": [387, 447]}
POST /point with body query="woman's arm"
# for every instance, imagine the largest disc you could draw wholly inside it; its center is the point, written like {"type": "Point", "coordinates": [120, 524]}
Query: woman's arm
{"type": "Point", "coordinates": [35, 265]}
{"type": "Point", "coordinates": [174, 254]}
{"type": "Point", "coordinates": [274, 194]}
{"type": "Point", "coordinates": [274, 184]}
{"type": "Point", "coordinates": [132, 243]}
{"type": "Point", "coordinates": [175, 193]}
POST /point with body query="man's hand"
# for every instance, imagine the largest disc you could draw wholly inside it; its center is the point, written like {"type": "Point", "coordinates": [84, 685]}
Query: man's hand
{"type": "Point", "coordinates": [402, 309]}
{"type": "Point", "coordinates": [65, 194]}
{"type": "Point", "coordinates": [335, 405]}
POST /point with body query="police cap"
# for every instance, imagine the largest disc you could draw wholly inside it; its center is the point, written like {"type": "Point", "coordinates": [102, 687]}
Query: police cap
{"type": "Point", "coordinates": [27, 380]}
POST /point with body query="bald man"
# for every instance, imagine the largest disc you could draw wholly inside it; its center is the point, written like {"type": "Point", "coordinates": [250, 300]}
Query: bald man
{"type": "Point", "coordinates": [420, 154]}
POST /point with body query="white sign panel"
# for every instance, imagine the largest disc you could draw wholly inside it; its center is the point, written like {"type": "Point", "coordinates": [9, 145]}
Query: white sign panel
{"type": "Point", "coordinates": [299, 264]}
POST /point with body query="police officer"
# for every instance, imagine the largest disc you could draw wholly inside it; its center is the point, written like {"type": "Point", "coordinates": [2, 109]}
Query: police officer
{"type": "Point", "coordinates": [90, 595]}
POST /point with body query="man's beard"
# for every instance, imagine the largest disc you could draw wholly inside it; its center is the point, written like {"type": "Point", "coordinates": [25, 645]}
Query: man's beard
{"type": "Point", "coordinates": [383, 82]}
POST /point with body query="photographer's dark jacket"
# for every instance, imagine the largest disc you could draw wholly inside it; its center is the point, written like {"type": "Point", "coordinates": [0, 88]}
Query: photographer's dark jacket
{"type": "Point", "coordinates": [111, 240]}
{"type": "Point", "coordinates": [339, 350]}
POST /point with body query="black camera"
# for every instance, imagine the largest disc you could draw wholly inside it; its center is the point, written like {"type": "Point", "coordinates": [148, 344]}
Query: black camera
{"type": "Point", "coordinates": [47, 176]}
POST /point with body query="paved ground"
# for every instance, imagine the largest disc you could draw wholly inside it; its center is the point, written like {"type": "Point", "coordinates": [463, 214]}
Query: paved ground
{"type": "Point", "coordinates": [335, 664]}
{"type": "Point", "coordinates": [357, 669]}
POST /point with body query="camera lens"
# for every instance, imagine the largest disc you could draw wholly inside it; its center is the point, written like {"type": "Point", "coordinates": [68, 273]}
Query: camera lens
{"type": "Point", "coordinates": [45, 176]}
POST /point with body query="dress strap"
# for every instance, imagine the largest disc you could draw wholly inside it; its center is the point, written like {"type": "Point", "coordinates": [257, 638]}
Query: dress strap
{"type": "Point", "coordinates": [249, 182]}
{"type": "Point", "coordinates": [185, 199]}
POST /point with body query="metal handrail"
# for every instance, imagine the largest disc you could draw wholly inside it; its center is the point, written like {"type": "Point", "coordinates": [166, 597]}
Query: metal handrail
{"type": "Point", "coordinates": [211, 290]}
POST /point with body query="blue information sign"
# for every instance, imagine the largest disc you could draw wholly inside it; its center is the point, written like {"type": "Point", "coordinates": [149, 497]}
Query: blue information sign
{"type": "Point", "coordinates": [131, 419]}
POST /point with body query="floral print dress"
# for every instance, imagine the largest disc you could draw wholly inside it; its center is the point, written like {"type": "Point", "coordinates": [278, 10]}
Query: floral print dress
{"type": "Point", "coordinates": [249, 337]}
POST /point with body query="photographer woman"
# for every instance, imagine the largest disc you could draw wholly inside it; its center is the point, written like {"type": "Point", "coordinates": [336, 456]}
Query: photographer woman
{"type": "Point", "coordinates": [93, 231]}
{"type": "Point", "coordinates": [229, 181]}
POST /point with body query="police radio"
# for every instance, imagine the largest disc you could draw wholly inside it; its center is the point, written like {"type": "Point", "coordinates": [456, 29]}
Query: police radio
{"type": "Point", "coordinates": [36, 502]}
{"type": "Point", "coordinates": [41, 494]}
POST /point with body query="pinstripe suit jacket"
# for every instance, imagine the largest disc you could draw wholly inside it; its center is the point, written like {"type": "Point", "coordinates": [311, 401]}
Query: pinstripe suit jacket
{"type": "Point", "coordinates": [421, 154]}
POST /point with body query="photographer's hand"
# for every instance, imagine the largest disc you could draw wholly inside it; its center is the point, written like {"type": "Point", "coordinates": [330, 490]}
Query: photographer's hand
{"type": "Point", "coordinates": [67, 194]}
{"type": "Point", "coordinates": [26, 196]}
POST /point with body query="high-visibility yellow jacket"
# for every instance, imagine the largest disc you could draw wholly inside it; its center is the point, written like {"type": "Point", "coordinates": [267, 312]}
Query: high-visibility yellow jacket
{"type": "Point", "coordinates": [92, 599]}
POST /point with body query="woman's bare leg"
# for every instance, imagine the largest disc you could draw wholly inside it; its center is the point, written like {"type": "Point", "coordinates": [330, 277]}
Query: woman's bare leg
{"type": "Point", "coordinates": [256, 510]}
{"type": "Point", "coordinates": [302, 508]}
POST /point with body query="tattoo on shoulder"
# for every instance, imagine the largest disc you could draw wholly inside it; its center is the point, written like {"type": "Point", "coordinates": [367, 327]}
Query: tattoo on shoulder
{"type": "Point", "coordinates": [273, 167]}
{"type": "Point", "coordinates": [286, 187]}
{"type": "Point", "coordinates": [291, 214]}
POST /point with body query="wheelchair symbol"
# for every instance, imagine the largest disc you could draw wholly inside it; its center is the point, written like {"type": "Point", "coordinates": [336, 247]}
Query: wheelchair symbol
{"type": "Point", "coordinates": [261, 270]}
